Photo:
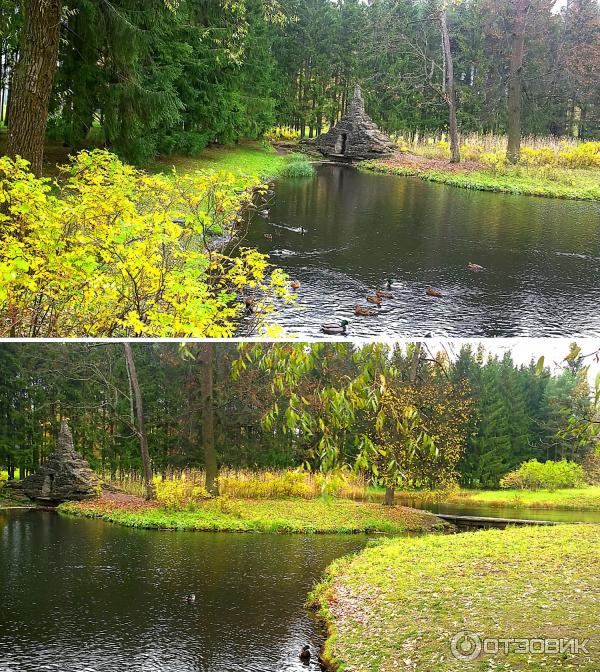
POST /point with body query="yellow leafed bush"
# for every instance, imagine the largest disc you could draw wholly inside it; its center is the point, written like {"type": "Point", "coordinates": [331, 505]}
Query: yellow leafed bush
{"type": "Point", "coordinates": [585, 155]}
{"type": "Point", "coordinates": [179, 494]}
{"type": "Point", "coordinates": [111, 251]}
{"type": "Point", "coordinates": [282, 133]}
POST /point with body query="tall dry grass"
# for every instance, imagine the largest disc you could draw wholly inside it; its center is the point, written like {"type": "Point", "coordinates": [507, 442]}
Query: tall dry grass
{"type": "Point", "coordinates": [259, 484]}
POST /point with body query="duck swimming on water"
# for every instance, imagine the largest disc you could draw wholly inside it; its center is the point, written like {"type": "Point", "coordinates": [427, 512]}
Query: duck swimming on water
{"type": "Point", "coordinates": [363, 311]}
{"type": "Point", "coordinates": [191, 598]}
{"type": "Point", "coordinates": [305, 654]}
{"type": "Point", "coordinates": [335, 329]}
{"type": "Point", "coordinates": [384, 295]}
{"type": "Point", "coordinates": [374, 299]}
{"type": "Point", "coordinates": [476, 268]}
{"type": "Point", "coordinates": [430, 291]}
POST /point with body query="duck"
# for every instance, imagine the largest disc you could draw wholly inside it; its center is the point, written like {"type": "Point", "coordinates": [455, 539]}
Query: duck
{"type": "Point", "coordinates": [389, 283]}
{"type": "Point", "coordinates": [430, 291]}
{"type": "Point", "coordinates": [374, 299]}
{"type": "Point", "coordinates": [269, 236]}
{"type": "Point", "coordinates": [295, 284]}
{"type": "Point", "coordinates": [476, 268]}
{"type": "Point", "coordinates": [335, 329]}
{"type": "Point", "coordinates": [305, 654]}
{"type": "Point", "coordinates": [384, 295]}
{"type": "Point", "coordinates": [249, 305]}
{"type": "Point", "coordinates": [363, 311]}
{"type": "Point", "coordinates": [191, 598]}
{"type": "Point", "coordinates": [264, 213]}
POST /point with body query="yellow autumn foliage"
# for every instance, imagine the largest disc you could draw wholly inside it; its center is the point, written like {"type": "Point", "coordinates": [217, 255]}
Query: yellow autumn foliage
{"type": "Point", "coordinates": [107, 250]}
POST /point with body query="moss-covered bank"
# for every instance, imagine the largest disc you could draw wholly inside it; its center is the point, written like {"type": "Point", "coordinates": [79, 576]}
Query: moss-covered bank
{"type": "Point", "coordinates": [281, 516]}
{"type": "Point", "coordinates": [398, 605]}
{"type": "Point", "coordinates": [576, 184]}
{"type": "Point", "coordinates": [12, 498]}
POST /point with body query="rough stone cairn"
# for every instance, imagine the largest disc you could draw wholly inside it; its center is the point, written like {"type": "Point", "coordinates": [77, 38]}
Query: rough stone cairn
{"type": "Point", "coordinates": [64, 476]}
{"type": "Point", "coordinates": [355, 136]}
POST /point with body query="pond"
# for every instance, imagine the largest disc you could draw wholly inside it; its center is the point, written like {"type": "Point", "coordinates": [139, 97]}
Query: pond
{"type": "Point", "coordinates": [86, 596]}
{"type": "Point", "coordinates": [542, 257]}
{"type": "Point", "coordinates": [523, 513]}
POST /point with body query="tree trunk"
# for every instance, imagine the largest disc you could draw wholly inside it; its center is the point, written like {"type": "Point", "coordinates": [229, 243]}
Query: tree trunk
{"type": "Point", "coordinates": [390, 496]}
{"type": "Point", "coordinates": [141, 426]}
{"type": "Point", "coordinates": [32, 81]}
{"type": "Point", "coordinates": [450, 89]}
{"type": "Point", "coordinates": [208, 418]}
{"type": "Point", "coordinates": [515, 83]}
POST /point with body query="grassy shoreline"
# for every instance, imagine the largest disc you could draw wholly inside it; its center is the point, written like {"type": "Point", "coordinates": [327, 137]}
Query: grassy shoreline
{"type": "Point", "coordinates": [570, 184]}
{"type": "Point", "coordinates": [398, 605]}
{"type": "Point", "coordinates": [576, 499]}
{"type": "Point", "coordinates": [296, 516]}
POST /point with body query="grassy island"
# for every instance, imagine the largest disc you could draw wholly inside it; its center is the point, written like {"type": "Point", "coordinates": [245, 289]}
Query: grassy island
{"type": "Point", "coordinates": [572, 183]}
{"type": "Point", "coordinates": [398, 605]}
{"type": "Point", "coordinates": [292, 515]}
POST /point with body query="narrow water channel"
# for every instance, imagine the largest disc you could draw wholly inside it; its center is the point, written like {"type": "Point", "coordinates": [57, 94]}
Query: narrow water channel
{"type": "Point", "coordinates": [522, 513]}
{"type": "Point", "coordinates": [345, 233]}
{"type": "Point", "coordinates": [86, 596]}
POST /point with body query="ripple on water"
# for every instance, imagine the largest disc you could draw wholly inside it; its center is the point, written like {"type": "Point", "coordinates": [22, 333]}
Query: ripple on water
{"type": "Point", "coordinates": [68, 608]}
{"type": "Point", "coordinates": [540, 257]}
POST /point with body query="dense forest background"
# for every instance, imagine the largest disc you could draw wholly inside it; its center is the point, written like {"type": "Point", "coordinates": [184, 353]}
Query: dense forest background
{"type": "Point", "coordinates": [160, 76]}
{"type": "Point", "coordinates": [518, 412]}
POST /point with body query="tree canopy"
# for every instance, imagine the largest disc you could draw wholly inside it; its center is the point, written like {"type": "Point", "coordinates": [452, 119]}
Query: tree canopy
{"type": "Point", "coordinates": [473, 418]}
{"type": "Point", "coordinates": [149, 77]}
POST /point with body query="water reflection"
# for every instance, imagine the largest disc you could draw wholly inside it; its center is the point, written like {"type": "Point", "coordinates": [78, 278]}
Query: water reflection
{"type": "Point", "coordinates": [82, 595]}
{"type": "Point", "coordinates": [522, 513]}
{"type": "Point", "coordinates": [541, 257]}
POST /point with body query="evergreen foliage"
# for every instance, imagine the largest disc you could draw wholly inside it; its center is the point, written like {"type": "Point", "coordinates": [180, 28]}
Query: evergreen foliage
{"type": "Point", "coordinates": [515, 413]}
{"type": "Point", "coordinates": [159, 77]}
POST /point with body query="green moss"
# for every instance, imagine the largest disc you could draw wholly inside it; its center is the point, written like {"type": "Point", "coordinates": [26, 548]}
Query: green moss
{"type": "Point", "coordinates": [577, 184]}
{"type": "Point", "coordinates": [398, 605]}
{"type": "Point", "coordinates": [279, 516]}
{"type": "Point", "coordinates": [10, 498]}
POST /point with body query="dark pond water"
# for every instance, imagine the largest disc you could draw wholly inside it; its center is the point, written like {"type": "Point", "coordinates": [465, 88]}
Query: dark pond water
{"type": "Point", "coordinates": [499, 512]}
{"type": "Point", "coordinates": [542, 257]}
{"type": "Point", "coordinates": [85, 596]}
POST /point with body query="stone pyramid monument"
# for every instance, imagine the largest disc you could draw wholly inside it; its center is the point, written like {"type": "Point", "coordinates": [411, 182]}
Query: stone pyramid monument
{"type": "Point", "coordinates": [64, 476]}
{"type": "Point", "coordinates": [355, 137]}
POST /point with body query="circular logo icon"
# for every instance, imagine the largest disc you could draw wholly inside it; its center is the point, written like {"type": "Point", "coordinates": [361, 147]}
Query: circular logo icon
{"type": "Point", "coordinates": [465, 645]}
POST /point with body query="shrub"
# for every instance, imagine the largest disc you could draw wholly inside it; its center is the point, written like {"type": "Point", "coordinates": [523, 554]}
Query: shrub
{"type": "Point", "coordinates": [534, 475]}
{"type": "Point", "coordinates": [591, 467]}
{"type": "Point", "coordinates": [282, 134]}
{"type": "Point", "coordinates": [267, 485]}
{"type": "Point", "coordinates": [585, 155]}
{"type": "Point", "coordinates": [179, 495]}
{"type": "Point", "coordinates": [111, 251]}
{"type": "Point", "coordinates": [297, 165]}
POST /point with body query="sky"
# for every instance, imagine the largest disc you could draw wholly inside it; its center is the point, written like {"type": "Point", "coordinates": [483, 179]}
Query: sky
{"type": "Point", "coordinates": [523, 350]}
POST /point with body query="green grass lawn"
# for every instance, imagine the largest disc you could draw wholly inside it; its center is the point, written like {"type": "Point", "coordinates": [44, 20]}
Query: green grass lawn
{"type": "Point", "coordinates": [282, 515]}
{"type": "Point", "coordinates": [580, 184]}
{"type": "Point", "coordinates": [583, 499]}
{"type": "Point", "coordinates": [397, 606]}
{"type": "Point", "coordinates": [249, 158]}
{"type": "Point", "coordinates": [245, 158]}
